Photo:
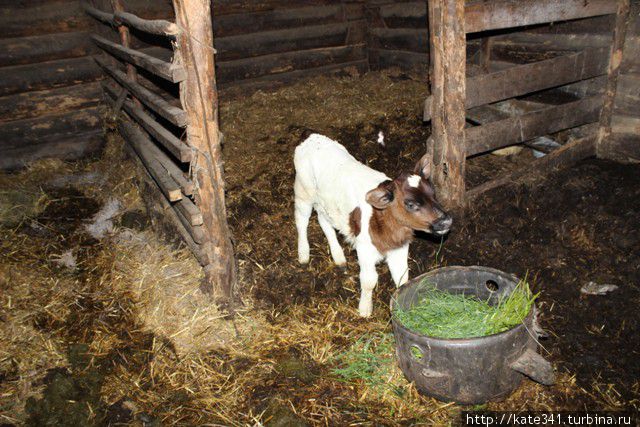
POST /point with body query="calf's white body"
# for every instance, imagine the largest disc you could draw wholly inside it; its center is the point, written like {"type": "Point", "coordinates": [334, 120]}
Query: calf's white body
{"type": "Point", "coordinates": [334, 183]}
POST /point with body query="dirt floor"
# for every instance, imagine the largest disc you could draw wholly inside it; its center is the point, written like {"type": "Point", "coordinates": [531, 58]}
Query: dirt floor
{"type": "Point", "coordinates": [111, 328]}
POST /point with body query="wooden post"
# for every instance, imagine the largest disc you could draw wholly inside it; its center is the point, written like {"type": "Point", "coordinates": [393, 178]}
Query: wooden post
{"type": "Point", "coordinates": [124, 38]}
{"type": "Point", "coordinates": [603, 140]}
{"type": "Point", "coordinates": [199, 98]}
{"type": "Point", "coordinates": [448, 45]}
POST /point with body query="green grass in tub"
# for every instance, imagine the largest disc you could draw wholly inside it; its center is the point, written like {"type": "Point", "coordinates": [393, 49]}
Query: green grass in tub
{"type": "Point", "coordinates": [444, 315]}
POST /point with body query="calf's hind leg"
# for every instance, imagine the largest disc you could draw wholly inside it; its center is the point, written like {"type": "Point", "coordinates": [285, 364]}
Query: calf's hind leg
{"type": "Point", "coordinates": [336, 250]}
{"type": "Point", "coordinates": [302, 213]}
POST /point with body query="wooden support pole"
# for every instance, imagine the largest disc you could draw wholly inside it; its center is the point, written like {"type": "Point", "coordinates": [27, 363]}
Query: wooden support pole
{"type": "Point", "coordinates": [448, 44]}
{"type": "Point", "coordinates": [124, 38]}
{"type": "Point", "coordinates": [199, 98]}
{"type": "Point", "coordinates": [615, 59]}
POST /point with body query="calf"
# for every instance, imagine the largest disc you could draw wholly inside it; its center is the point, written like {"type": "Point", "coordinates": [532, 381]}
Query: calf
{"type": "Point", "coordinates": [375, 214]}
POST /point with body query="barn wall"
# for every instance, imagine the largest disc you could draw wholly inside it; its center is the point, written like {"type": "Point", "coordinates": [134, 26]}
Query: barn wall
{"type": "Point", "coordinates": [265, 44]}
{"type": "Point", "coordinates": [50, 97]}
{"type": "Point", "coordinates": [398, 35]}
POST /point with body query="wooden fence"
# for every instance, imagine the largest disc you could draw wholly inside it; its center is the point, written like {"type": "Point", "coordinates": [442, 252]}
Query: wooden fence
{"type": "Point", "coordinates": [175, 140]}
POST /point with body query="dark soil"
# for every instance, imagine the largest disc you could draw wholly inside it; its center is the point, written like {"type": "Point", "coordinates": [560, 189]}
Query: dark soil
{"type": "Point", "coordinates": [575, 226]}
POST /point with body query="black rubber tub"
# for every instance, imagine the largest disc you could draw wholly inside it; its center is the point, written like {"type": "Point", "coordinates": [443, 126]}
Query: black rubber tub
{"type": "Point", "coordinates": [470, 370]}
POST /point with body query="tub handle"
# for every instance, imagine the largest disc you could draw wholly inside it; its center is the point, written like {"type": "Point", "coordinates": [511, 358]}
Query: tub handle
{"type": "Point", "coordinates": [535, 367]}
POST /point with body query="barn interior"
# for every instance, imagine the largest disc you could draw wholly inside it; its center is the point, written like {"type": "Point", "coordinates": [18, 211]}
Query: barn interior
{"type": "Point", "coordinates": [115, 312]}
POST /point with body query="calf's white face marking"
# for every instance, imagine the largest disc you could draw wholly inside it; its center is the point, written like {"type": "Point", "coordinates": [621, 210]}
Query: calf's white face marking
{"type": "Point", "coordinates": [413, 181]}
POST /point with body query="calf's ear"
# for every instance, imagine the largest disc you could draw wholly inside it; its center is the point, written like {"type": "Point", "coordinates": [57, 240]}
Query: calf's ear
{"type": "Point", "coordinates": [423, 167]}
{"type": "Point", "coordinates": [381, 196]}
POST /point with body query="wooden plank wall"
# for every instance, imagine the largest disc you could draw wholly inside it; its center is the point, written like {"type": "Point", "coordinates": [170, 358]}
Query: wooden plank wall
{"type": "Point", "coordinates": [398, 35]}
{"type": "Point", "coordinates": [51, 102]}
{"type": "Point", "coordinates": [268, 43]}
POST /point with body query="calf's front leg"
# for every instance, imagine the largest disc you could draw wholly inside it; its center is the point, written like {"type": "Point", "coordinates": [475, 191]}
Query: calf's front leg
{"type": "Point", "coordinates": [368, 280]}
{"type": "Point", "coordinates": [398, 262]}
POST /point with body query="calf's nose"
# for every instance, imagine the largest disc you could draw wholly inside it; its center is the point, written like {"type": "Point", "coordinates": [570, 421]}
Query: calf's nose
{"type": "Point", "coordinates": [442, 224]}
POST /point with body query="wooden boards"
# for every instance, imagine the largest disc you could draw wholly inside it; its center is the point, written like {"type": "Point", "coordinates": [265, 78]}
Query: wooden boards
{"type": "Point", "coordinates": [518, 129]}
{"type": "Point", "coordinates": [522, 79]}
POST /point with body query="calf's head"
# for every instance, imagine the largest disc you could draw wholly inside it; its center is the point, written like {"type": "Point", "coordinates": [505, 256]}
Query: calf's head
{"type": "Point", "coordinates": [410, 201]}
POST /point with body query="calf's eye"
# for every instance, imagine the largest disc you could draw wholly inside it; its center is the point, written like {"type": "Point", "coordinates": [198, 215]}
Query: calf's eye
{"type": "Point", "coordinates": [411, 205]}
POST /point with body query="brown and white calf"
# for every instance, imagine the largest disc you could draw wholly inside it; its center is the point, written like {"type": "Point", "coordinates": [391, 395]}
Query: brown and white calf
{"type": "Point", "coordinates": [376, 215]}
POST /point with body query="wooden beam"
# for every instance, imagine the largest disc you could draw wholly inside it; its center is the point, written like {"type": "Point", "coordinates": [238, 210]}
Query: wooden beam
{"type": "Point", "coordinates": [276, 63]}
{"type": "Point", "coordinates": [163, 214]}
{"type": "Point", "coordinates": [158, 27]}
{"type": "Point", "coordinates": [154, 102]}
{"type": "Point", "coordinates": [485, 54]}
{"type": "Point", "coordinates": [71, 147]}
{"type": "Point", "coordinates": [166, 70]}
{"type": "Point", "coordinates": [448, 82]}
{"type": "Point", "coordinates": [104, 17]}
{"type": "Point", "coordinates": [482, 15]}
{"type": "Point", "coordinates": [27, 105]}
{"type": "Point", "coordinates": [48, 47]}
{"type": "Point", "coordinates": [19, 133]}
{"type": "Point", "coordinates": [277, 41]}
{"type": "Point", "coordinates": [140, 144]}
{"type": "Point", "coordinates": [189, 211]}
{"type": "Point", "coordinates": [576, 149]}
{"type": "Point", "coordinates": [151, 26]}
{"type": "Point", "coordinates": [186, 185]}
{"type": "Point", "coordinates": [522, 79]}
{"type": "Point", "coordinates": [519, 129]}
{"type": "Point", "coordinates": [277, 18]}
{"type": "Point", "coordinates": [200, 98]}
{"type": "Point", "coordinates": [613, 71]}
{"type": "Point", "coordinates": [47, 75]}
{"type": "Point", "coordinates": [498, 14]}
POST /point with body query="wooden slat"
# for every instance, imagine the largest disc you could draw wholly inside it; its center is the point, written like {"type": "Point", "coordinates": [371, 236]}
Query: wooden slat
{"type": "Point", "coordinates": [140, 144]}
{"type": "Point", "coordinates": [154, 102]}
{"type": "Point", "coordinates": [168, 140]}
{"type": "Point", "coordinates": [573, 151]}
{"type": "Point", "coordinates": [499, 14]}
{"type": "Point", "coordinates": [197, 232]}
{"type": "Point", "coordinates": [522, 79]}
{"type": "Point", "coordinates": [163, 213]}
{"type": "Point", "coordinates": [189, 211]}
{"type": "Point", "coordinates": [104, 17]}
{"type": "Point", "coordinates": [151, 26]}
{"type": "Point", "coordinates": [482, 15]}
{"type": "Point", "coordinates": [528, 126]}
{"type": "Point", "coordinates": [172, 72]}
{"type": "Point", "coordinates": [186, 185]}
{"type": "Point", "coordinates": [398, 58]}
